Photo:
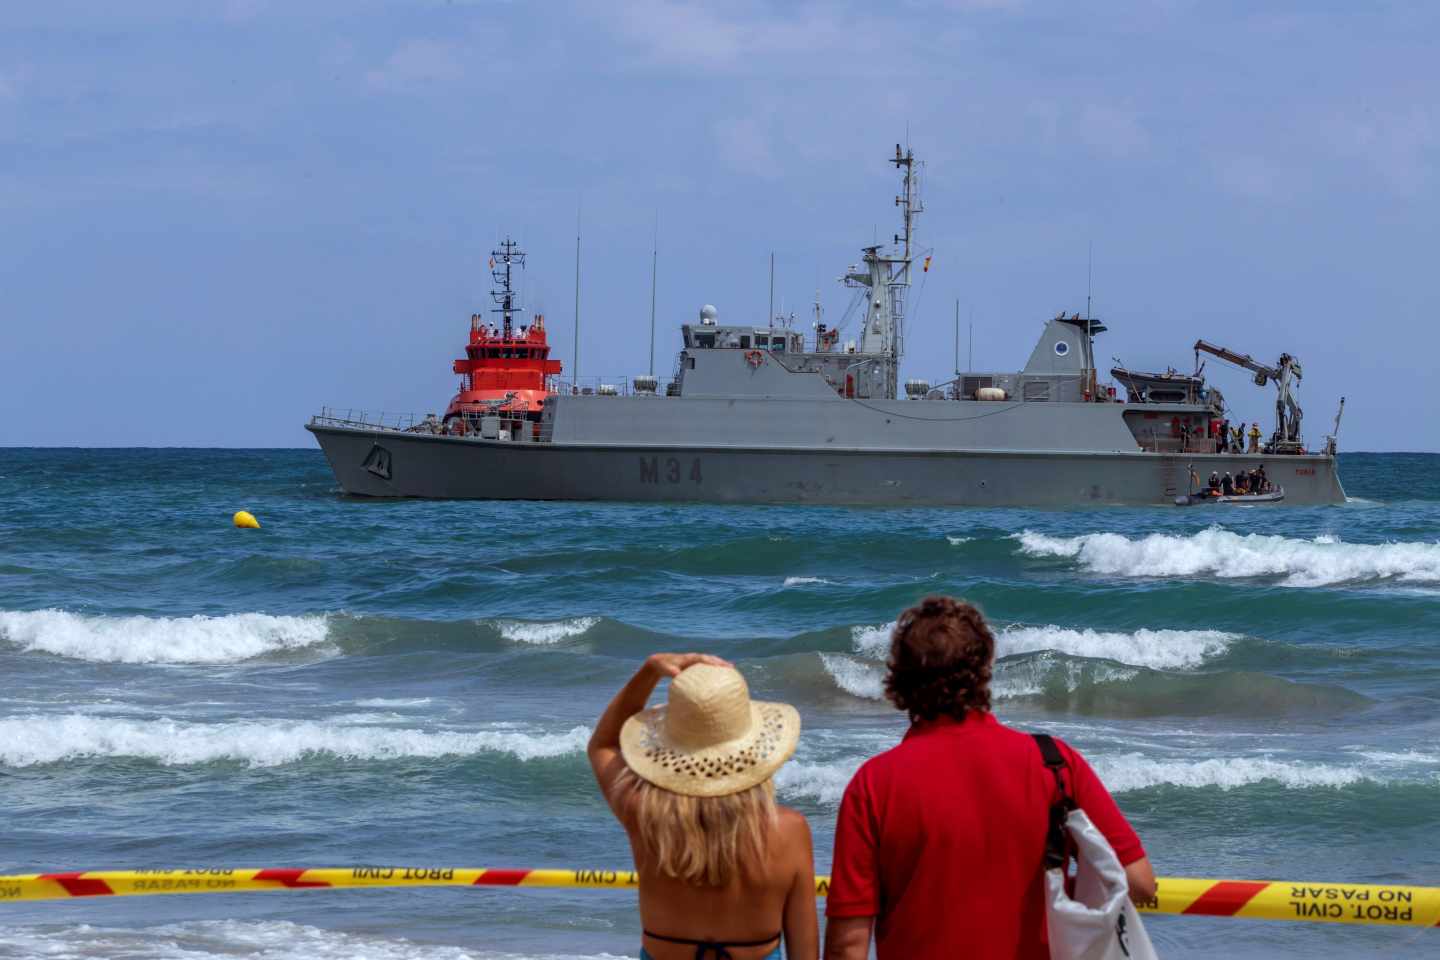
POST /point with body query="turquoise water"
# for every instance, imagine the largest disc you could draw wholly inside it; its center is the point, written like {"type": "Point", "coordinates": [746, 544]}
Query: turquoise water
{"type": "Point", "coordinates": [413, 682]}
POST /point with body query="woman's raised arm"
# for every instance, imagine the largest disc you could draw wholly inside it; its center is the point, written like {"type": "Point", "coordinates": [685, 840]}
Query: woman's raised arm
{"type": "Point", "coordinates": [604, 748]}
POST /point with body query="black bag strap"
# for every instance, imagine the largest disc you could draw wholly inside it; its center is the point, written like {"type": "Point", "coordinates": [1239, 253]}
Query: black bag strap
{"type": "Point", "coordinates": [1057, 850]}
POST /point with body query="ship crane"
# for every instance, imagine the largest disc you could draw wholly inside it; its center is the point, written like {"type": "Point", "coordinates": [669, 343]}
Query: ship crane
{"type": "Point", "coordinates": [1285, 374]}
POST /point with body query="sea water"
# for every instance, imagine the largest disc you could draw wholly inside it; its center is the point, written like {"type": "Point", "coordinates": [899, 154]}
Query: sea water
{"type": "Point", "coordinates": [413, 683]}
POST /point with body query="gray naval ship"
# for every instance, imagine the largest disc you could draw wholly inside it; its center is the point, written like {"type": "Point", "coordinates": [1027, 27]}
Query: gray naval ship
{"type": "Point", "coordinates": [756, 414]}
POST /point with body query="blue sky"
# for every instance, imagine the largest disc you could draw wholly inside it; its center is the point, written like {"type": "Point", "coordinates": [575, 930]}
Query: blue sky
{"type": "Point", "coordinates": [219, 216]}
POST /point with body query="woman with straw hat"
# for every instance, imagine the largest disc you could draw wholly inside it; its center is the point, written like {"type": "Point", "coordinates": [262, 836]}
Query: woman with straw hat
{"type": "Point", "coordinates": [725, 872]}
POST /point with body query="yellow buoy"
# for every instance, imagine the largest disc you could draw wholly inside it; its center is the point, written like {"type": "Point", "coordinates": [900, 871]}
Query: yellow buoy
{"type": "Point", "coordinates": [244, 518]}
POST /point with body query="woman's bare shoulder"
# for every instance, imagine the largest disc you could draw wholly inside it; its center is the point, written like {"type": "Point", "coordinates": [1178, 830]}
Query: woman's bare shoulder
{"type": "Point", "coordinates": [794, 828]}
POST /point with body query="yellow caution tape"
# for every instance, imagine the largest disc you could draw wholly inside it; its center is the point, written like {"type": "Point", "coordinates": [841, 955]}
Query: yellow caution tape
{"type": "Point", "coordinates": [1249, 899]}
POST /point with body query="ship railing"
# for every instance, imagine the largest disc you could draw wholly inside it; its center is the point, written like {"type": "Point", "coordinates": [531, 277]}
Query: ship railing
{"type": "Point", "coordinates": [369, 420]}
{"type": "Point", "coordinates": [606, 387]}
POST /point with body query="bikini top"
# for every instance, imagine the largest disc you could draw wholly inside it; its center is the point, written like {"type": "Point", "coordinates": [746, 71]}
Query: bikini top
{"type": "Point", "coordinates": [715, 948]}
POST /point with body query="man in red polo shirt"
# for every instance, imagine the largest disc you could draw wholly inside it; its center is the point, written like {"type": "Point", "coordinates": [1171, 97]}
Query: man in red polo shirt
{"type": "Point", "coordinates": [940, 841]}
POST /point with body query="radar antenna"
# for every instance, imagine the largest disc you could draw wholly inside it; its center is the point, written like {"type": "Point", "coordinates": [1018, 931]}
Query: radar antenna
{"type": "Point", "coordinates": [502, 260]}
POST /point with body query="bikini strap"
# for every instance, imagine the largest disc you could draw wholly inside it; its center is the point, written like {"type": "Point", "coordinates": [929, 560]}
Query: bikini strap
{"type": "Point", "coordinates": [706, 948]}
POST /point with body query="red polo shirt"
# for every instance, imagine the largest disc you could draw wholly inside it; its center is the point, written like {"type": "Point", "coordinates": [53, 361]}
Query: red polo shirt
{"type": "Point", "coordinates": [942, 840]}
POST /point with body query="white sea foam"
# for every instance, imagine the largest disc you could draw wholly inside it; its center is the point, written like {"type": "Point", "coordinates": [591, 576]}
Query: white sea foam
{"type": "Point", "coordinates": [1030, 678]}
{"type": "Point", "coordinates": [543, 633]}
{"type": "Point", "coordinates": [1158, 649]}
{"type": "Point", "coordinates": [1221, 553]}
{"type": "Point", "coordinates": [237, 940]}
{"type": "Point", "coordinates": [804, 581]}
{"type": "Point", "coordinates": [1403, 758]}
{"type": "Point", "coordinates": [1134, 771]}
{"type": "Point", "coordinates": [198, 639]}
{"type": "Point", "coordinates": [825, 782]}
{"type": "Point", "coordinates": [872, 642]}
{"type": "Point", "coordinates": [399, 703]}
{"type": "Point", "coordinates": [957, 541]}
{"type": "Point", "coordinates": [857, 678]}
{"type": "Point", "coordinates": [821, 782]}
{"type": "Point", "coordinates": [42, 739]}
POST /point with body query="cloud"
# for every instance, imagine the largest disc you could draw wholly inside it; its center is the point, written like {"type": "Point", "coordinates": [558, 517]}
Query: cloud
{"type": "Point", "coordinates": [747, 145]}
{"type": "Point", "coordinates": [740, 36]}
{"type": "Point", "coordinates": [417, 64]}
{"type": "Point", "coordinates": [1402, 147]}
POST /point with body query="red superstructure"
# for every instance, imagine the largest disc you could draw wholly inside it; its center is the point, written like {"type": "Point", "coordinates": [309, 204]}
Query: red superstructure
{"type": "Point", "coordinates": [503, 370]}
{"type": "Point", "coordinates": [507, 368]}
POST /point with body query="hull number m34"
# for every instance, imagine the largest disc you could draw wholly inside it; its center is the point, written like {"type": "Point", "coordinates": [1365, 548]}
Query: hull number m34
{"type": "Point", "coordinates": [669, 470]}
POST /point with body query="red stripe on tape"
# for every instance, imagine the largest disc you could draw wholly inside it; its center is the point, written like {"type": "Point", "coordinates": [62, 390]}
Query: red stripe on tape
{"type": "Point", "coordinates": [78, 885]}
{"type": "Point", "coordinates": [1225, 898]}
{"type": "Point", "coordinates": [501, 878]}
{"type": "Point", "coordinates": [289, 878]}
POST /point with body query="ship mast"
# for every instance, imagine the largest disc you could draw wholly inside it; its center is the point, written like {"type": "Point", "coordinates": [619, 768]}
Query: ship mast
{"type": "Point", "coordinates": [501, 261]}
{"type": "Point", "coordinates": [887, 275]}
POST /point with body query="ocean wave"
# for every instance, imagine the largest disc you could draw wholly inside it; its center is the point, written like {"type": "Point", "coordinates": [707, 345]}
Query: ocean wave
{"type": "Point", "coordinates": [39, 739]}
{"type": "Point", "coordinates": [1134, 771]}
{"type": "Point", "coordinates": [958, 541]}
{"type": "Point", "coordinates": [805, 581]}
{"type": "Point", "coordinates": [1320, 562]}
{"type": "Point", "coordinates": [1159, 649]}
{"type": "Point", "coordinates": [237, 940]}
{"type": "Point", "coordinates": [859, 679]}
{"type": "Point", "coordinates": [136, 639]}
{"type": "Point", "coordinates": [543, 632]}
{"type": "Point", "coordinates": [872, 641]}
{"type": "Point", "coordinates": [819, 782]}
{"type": "Point", "coordinates": [824, 782]}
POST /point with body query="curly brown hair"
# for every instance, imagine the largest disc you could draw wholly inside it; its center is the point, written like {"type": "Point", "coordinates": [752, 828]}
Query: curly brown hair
{"type": "Point", "coordinates": [941, 655]}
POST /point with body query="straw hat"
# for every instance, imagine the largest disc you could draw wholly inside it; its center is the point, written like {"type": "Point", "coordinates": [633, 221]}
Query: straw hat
{"type": "Point", "coordinates": [710, 739]}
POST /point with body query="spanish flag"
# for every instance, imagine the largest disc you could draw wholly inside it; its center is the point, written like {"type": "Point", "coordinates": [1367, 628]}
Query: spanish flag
{"type": "Point", "coordinates": [926, 267]}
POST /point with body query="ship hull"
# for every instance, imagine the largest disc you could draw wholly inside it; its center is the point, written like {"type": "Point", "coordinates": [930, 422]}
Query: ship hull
{"type": "Point", "coordinates": [393, 464]}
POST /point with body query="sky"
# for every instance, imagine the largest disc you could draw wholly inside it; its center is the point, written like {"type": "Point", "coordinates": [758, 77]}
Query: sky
{"type": "Point", "coordinates": [216, 218]}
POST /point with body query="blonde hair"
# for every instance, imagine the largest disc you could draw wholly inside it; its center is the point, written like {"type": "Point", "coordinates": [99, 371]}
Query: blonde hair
{"type": "Point", "coordinates": [704, 841]}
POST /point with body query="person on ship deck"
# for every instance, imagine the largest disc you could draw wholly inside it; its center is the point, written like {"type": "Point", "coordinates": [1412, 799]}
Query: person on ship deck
{"type": "Point", "coordinates": [725, 873]}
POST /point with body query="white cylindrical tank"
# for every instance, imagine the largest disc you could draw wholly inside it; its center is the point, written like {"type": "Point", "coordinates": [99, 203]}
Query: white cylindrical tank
{"type": "Point", "coordinates": [990, 393]}
{"type": "Point", "coordinates": [608, 390]}
{"type": "Point", "coordinates": [916, 389]}
{"type": "Point", "coordinates": [644, 383]}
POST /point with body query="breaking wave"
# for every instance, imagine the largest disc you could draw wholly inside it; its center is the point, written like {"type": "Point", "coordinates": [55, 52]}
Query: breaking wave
{"type": "Point", "coordinates": [824, 783]}
{"type": "Point", "coordinates": [805, 581]}
{"type": "Point", "coordinates": [542, 632]}
{"type": "Point", "coordinates": [198, 639]}
{"type": "Point", "coordinates": [819, 782]}
{"type": "Point", "coordinates": [238, 940]}
{"type": "Point", "coordinates": [1133, 771]}
{"type": "Point", "coordinates": [39, 740]}
{"type": "Point", "coordinates": [855, 677]}
{"type": "Point", "coordinates": [1157, 649]}
{"type": "Point", "coordinates": [1220, 553]}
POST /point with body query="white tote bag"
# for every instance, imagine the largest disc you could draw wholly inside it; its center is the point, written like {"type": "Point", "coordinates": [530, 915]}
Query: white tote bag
{"type": "Point", "coordinates": [1099, 922]}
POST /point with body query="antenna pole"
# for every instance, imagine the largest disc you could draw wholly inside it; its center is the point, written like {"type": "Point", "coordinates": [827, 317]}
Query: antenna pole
{"type": "Point", "coordinates": [972, 338]}
{"type": "Point", "coordinates": [575, 364]}
{"type": "Point", "coordinates": [654, 262]}
{"type": "Point", "coordinates": [957, 336]}
{"type": "Point", "coordinates": [1089, 273]}
{"type": "Point", "coordinates": [771, 314]}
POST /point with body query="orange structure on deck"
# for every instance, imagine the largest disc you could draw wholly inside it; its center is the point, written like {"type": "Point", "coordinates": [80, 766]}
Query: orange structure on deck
{"type": "Point", "coordinates": [507, 368]}
{"type": "Point", "coordinates": [504, 371]}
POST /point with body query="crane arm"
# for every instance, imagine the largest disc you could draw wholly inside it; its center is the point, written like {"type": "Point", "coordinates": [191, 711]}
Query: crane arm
{"type": "Point", "coordinates": [1243, 360]}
